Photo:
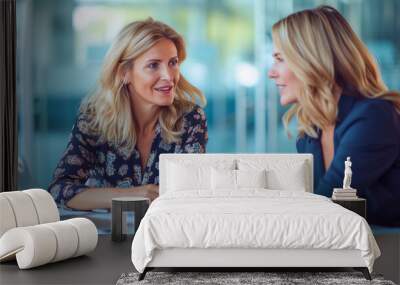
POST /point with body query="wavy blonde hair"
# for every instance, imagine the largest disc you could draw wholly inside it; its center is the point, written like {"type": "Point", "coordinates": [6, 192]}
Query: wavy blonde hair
{"type": "Point", "coordinates": [109, 110]}
{"type": "Point", "coordinates": [325, 54]}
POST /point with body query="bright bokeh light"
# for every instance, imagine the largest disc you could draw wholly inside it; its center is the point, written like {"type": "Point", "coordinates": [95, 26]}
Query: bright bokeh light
{"type": "Point", "coordinates": [246, 74]}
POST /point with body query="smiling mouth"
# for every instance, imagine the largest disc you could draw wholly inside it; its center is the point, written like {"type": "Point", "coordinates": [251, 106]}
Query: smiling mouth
{"type": "Point", "coordinates": [280, 87]}
{"type": "Point", "coordinates": [164, 88]}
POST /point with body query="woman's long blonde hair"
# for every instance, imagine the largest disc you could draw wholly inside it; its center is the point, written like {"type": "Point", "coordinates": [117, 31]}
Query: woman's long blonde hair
{"type": "Point", "coordinates": [109, 110]}
{"type": "Point", "coordinates": [325, 54]}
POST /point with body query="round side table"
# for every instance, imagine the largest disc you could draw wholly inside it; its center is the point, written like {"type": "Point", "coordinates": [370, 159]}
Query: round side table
{"type": "Point", "coordinates": [120, 206]}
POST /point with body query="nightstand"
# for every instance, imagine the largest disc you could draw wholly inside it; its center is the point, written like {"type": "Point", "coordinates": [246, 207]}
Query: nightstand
{"type": "Point", "coordinates": [357, 205]}
{"type": "Point", "coordinates": [120, 208]}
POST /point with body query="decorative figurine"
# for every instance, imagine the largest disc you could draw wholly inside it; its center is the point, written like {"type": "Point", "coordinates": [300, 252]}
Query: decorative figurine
{"type": "Point", "coordinates": [347, 174]}
{"type": "Point", "coordinates": [347, 192]}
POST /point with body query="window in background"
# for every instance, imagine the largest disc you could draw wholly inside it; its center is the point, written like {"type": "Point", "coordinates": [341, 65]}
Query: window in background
{"type": "Point", "coordinates": [61, 45]}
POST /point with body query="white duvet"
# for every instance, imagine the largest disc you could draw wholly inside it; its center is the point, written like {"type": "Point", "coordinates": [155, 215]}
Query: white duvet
{"type": "Point", "coordinates": [251, 218]}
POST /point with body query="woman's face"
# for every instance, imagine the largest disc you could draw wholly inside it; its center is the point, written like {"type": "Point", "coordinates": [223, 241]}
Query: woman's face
{"type": "Point", "coordinates": [286, 81]}
{"type": "Point", "coordinates": [155, 74]}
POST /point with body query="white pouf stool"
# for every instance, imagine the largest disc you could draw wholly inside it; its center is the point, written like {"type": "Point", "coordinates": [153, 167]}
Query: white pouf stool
{"type": "Point", "coordinates": [31, 231]}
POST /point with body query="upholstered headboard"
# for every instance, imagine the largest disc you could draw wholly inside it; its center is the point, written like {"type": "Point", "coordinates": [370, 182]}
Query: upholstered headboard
{"type": "Point", "coordinates": [281, 164]}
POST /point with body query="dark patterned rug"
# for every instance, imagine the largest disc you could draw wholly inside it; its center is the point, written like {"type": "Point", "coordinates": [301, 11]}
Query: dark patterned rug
{"type": "Point", "coordinates": [229, 278]}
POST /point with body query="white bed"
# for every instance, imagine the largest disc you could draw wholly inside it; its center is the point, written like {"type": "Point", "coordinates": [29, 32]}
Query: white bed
{"type": "Point", "coordinates": [247, 210]}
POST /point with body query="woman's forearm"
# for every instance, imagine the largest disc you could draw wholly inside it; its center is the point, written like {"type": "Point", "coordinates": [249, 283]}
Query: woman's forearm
{"type": "Point", "coordinates": [100, 198]}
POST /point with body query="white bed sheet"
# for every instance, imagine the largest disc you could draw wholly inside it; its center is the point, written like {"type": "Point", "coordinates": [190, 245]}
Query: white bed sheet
{"type": "Point", "coordinates": [251, 218]}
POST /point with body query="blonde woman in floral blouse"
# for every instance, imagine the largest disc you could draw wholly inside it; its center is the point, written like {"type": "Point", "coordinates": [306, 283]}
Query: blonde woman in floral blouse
{"type": "Point", "coordinates": [142, 108]}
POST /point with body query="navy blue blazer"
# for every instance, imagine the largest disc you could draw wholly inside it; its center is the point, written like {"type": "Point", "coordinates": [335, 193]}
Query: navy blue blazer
{"type": "Point", "coordinates": [367, 130]}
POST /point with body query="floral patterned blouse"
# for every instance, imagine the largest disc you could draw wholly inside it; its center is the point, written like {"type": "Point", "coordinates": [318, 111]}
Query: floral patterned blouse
{"type": "Point", "coordinates": [89, 162]}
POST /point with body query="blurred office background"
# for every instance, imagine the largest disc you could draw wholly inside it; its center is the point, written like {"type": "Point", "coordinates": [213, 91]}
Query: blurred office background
{"type": "Point", "coordinates": [61, 45]}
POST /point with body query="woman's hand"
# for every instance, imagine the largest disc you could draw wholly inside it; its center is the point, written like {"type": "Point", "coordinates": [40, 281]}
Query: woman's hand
{"type": "Point", "coordinates": [150, 191]}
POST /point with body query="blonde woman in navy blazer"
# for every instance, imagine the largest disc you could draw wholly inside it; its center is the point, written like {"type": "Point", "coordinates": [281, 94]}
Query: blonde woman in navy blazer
{"type": "Point", "coordinates": [343, 108]}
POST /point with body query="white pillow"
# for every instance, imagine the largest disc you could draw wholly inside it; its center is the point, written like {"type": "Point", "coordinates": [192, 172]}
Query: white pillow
{"type": "Point", "coordinates": [291, 180]}
{"type": "Point", "coordinates": [251, 178]}
{"type": "Point", "coordinates": [182, 177]}
{"type": "Point", "coordinates": [223, 179]}
{"type": "Point", "coordinates": [235, 179]}
{"type": "Point", "coordinates": [280, 174]}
